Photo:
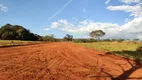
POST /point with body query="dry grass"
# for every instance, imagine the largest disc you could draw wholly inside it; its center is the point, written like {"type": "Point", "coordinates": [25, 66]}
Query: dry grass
{"type": "Point", "coordinates": [8, 43]}
{"type": "Point", "coordinates": [127, 49]}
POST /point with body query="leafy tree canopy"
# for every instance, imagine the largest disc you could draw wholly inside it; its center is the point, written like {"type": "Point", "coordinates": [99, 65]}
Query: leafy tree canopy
{"type": "Point", "coordinates": [17, 32]}
{"type": "Point", "coordinates": [68, 37]}
{"type": "Point", "coordinates": [97, 34]}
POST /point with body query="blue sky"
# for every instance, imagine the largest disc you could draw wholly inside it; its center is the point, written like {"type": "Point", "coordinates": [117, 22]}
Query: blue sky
{"type": "Point", "coordinates": [76, 17]}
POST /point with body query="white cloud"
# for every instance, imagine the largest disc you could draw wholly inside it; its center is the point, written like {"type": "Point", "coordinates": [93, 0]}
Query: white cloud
{"type": "Point", "coordinates": [132, 29]}
{"type": "Point", "coordinates": [61, 23]}
{"type": "Point", "coordinates": [46, 29]}
{"type": "Point", "coordinates": [60, 10]}
{"type": "Point", "coordinates": [130, 1]}
{"type": "Point", "coordinates": [133, 26]}
{"type": "Point", "coordinates": [135, 11]}
{"type": "Point", "coordinates": [55, 25]}
{"type": "Point", "coordinates": [3, 8]}
{"type": "Point", "coordinates": [107, 1]}
{"type": "Point", "coordinates": [86, 26]}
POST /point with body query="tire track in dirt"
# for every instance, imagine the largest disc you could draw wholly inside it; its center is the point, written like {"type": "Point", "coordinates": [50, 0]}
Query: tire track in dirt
{"type": "Point", "coordinates": [57, 61]}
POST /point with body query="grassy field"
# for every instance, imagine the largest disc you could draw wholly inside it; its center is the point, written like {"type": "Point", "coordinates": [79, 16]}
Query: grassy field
{"type": "Point", "coordinates": [8, 43]}
{"type": "Point", "coordinates": [126, 49]}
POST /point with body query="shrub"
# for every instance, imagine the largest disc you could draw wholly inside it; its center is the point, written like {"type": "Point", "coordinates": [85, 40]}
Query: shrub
{"type": "Point", "coordinates": [139, 53]}
{"type": "Point", "coordinates": [139, 49]}
{"type": "Point", "coordinates": [81, 40]}
{"type": "Point", "coordinates": [48, 38]}
{"type": "Point", "coordinates": [68, 37]}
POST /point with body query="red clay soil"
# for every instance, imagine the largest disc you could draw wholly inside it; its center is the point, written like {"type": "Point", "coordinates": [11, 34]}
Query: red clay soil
{"type": "Point", "coordinates": [61, 61]}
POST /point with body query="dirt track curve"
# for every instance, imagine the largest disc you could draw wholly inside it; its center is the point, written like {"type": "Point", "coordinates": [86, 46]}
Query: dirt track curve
{"type": "Point", "coordinates": [60, 61]}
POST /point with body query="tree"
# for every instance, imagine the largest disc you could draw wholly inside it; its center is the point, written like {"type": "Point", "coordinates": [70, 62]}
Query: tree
{"type": "Point", "coordinates": [68, 37]}
{"type": "Point", "coordinates": [97, 34]}
{"type": "Point", "coordinates": [49, 38]}
{"type": "Point", "coordinates": [52, 35]}
{"type": "Point", "coordinates": [8, 35]}
{"type": "Point", "coordinates": [17, 32]}
{"type": "Point", "coordinates": [7, 32]}
{"type": "Point", "coordinates": [120, 40]}
{"type": "Point", "coordinates": [135, 39]}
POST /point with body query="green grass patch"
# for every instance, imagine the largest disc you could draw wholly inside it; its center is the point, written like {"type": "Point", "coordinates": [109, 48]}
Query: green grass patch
{"type": "Point", "coordinates": [127, 49]}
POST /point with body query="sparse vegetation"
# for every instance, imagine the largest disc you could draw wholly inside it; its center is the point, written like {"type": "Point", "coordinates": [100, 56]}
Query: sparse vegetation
{"type": "Point", "coordinates": [139, 53]}
{"type": "Point", "coordinates": [81, 40]}
{"type": "Point", "coordinates": [49, 38]}
{"type": "Point", "coordinates": [10, 43]}
{"type": "Point", "coordinates": [126, 49]}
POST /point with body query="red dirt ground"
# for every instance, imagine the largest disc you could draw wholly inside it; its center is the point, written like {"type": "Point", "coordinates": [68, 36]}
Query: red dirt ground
{"type": "Point", "coordinates": [60, 61]}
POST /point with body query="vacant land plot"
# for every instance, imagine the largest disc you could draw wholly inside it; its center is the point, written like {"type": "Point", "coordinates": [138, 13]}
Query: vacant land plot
{"type": "Point", "coordinates": [8, 43]}
{"type": "Point", "coordinates": [119, 48]}
{"type": "Point", "coordinates": [63, 61]}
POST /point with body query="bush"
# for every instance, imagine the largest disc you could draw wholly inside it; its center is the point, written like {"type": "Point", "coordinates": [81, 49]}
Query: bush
{"type": "Point", "coordinates": [68, 37]}
{"type": "Point", "coordinates": [118, 40]}
{"type": "Point", "coordinates": [139, 49]}
{"type": "Point", "coordinates": [139, 53]}
{"type": "Point", "coordinates": [108, 40]}
{"type": "Point", "coordinates": [49, 38]}
{"type": "Point", "coordinates": [81, 40]}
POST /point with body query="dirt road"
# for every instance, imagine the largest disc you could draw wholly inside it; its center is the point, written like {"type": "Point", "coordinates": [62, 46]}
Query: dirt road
{"type": "Point", "coordinates": [60, 61]}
